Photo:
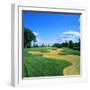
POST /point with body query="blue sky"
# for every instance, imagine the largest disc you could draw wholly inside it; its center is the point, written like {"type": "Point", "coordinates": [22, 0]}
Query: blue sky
{"type": "Point", "coordinates": [52, 28]}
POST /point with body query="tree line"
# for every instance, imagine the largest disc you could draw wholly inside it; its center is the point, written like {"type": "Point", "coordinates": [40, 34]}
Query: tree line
{"type": "Point", "coordinates": [30, 37]}
{"type": "Point", "coordinates": [69, 44]}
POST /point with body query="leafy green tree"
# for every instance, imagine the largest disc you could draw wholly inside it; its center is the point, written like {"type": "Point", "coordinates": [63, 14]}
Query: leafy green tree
{"type": "Point", "coordinates": [36, 45]}
{"type": "Point", "coordinates": [66, 44]}
{"type": "Point", "coordinates": [43, 45]}
{"type": "Point", "coordinates": [28, 37]}
{"type": "Point", "coordinates": [56, 45]}
{"type": "Point", "coordinates": [48, 45]}
{"type": "Point", "coordinates": [71, 44]}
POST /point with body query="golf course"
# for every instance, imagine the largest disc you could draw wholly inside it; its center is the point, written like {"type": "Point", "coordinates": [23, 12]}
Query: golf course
{"type": "Point", "coordinates": [51, 44]}
{"type": "Point", "coordinates": [51, 61]}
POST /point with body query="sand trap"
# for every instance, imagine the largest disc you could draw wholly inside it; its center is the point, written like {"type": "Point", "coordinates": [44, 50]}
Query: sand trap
{"type": "Point", "coordinates": [74, 59]}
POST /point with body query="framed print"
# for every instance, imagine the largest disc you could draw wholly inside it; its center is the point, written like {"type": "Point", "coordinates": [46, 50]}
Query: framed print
{"type": "Point", "coordinates": [47, 43]}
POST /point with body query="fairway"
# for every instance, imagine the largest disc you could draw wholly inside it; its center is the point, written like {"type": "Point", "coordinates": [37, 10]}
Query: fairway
{"type": "Point", "coordinates": [51, 61]}
{"type": "Point", "coordinates": [51, 44]}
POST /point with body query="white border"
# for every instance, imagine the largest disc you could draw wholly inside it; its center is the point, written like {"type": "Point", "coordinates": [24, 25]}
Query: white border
{"type": "Point", "coordinates": [16, 77]}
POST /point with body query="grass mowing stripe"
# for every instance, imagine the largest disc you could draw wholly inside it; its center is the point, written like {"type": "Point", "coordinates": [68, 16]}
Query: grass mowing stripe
{"type": "Point", "coordinates": [39, 66]}
{"type": "Point", "coordinates": [25, 71]}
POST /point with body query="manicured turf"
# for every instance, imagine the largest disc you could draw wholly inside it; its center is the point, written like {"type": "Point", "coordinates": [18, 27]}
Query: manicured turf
{"type": "Point", "coordinates": [41, 49]}
{"type": "Point", "coordinates": [68, 51]}
{"type": "Point", "coordinates": [37, 65]}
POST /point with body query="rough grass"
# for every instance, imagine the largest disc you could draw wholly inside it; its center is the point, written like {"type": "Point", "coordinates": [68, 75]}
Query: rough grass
{"type": "Point", "coordinates": [68, 51]}
{"type": "Point", "coordinates": [37, 65]}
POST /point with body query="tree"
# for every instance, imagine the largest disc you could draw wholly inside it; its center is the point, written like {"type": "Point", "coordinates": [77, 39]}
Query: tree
{"type": "Point", "coordinates": [66, 44]}
{"type": "Point", "coordinates": [36, 45]}
{"type": "Point", "coordinates": [56, 45]}
{"type": "Point", "coordinates": [28, 37]}
{"type": "Point", "coordinates": [70, 44]}
{"type": "Point", "coordinates": [48, 45]}
{"type": "Point", "coordinates": [43, 45]}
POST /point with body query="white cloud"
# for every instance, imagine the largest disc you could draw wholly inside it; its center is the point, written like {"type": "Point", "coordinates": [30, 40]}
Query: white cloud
{"type": "Point", "coordinates": [69, 35]}
{"type": "Point", "coordinates": [72, 33]}
{"type": "Point", "coordinates": [45, 42]}
{"type": "Point", "coordinates": [36, 34]}
{"type": "Point", "coordinates": [65, 36]}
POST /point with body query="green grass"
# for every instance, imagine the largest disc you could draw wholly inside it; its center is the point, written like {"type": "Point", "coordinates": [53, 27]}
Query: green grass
{"type": "Point", "coordinates": [68, 51]}
{"type": "Point", "coordinates": [41, 49]}
{"type": "Point", "coordinates": [37, 65]}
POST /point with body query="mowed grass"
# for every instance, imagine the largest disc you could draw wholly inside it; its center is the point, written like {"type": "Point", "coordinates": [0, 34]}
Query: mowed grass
{"type": "Point", "coordinates": [41, 49]}
{"type": "Point", "coordinates": [37, 65]}
{"type": "Point", "coordinates": [68, 51]}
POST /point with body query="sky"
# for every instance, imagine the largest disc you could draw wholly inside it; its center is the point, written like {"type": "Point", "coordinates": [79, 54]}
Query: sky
{"type": "Point", "coordinates": [52, 28]}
